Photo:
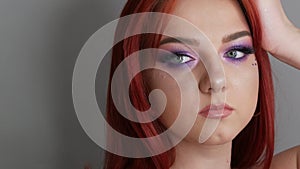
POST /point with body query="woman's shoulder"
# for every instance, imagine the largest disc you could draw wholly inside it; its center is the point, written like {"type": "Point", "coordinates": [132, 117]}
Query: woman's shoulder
{"type": "Point", "coordinates": [288, 159]}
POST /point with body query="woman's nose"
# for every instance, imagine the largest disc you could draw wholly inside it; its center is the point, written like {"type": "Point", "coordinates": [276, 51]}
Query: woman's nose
{"type": "Point", "coordinates": [213, 80]}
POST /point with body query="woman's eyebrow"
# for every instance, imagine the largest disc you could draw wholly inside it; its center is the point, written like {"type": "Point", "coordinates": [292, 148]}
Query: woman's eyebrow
{"type": "Point", "coordinates": [182, 40]}
{"type": "Point", "coordinates": [236, 35]}
{"type": "Point", "coordinates": [191, 41]}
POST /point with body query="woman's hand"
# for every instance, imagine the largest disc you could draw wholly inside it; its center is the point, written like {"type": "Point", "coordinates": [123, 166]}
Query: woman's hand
{"type": "Point", "coordinates": [280, 37]}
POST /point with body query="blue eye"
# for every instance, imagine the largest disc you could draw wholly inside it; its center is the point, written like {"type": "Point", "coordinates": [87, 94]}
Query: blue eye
{"type": "Point", "coordinates": [176, 58]}
{"type": "Point", "coordinates": [235, 54]}
{"type": "Point", "coordinates": [239, 52]}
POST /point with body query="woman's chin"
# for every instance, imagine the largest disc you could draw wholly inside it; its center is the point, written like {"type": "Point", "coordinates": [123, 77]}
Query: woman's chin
{"type": "Point", "coordinates": [218, 137]}
{"type": "Point", "coordinates": [217, 140]}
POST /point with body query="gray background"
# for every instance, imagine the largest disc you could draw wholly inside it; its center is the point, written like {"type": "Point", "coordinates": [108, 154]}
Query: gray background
{"type": "Point", "coordinates": [40, 41]}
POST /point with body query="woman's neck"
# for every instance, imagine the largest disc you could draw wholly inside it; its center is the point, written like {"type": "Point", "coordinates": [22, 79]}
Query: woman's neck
{"type": "Point", "coordinates": [200, 156]}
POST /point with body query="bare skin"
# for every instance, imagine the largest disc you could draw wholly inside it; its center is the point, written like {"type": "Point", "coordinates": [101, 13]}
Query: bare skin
{"type": "Point", "coordinates": [282, 39]}
{"type": "Point", "coordinates": [280, 36]}
{"type": "Point", "coordinates": [287, 159]}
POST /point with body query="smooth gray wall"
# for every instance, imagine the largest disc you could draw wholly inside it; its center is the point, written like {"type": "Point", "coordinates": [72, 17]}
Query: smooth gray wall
{"type": "Point", "coordinates": [40, 41]}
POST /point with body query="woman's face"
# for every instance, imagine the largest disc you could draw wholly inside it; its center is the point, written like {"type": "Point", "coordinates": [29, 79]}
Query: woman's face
{"type": "Point", "coordinates": [225, 26]}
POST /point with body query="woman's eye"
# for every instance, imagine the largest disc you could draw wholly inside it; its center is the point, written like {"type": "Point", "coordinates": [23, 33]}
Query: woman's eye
{"type": "Point", "coordinates": [238, 53]}
{"type": "Point", "coordinates": [235, 54]}
{"type": "Point", "coordinates": [177, 58]}
{"type": "Point", "coordinates": [181, 58]}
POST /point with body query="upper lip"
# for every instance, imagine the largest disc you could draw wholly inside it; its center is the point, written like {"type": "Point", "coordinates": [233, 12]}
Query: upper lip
{"type": "Point", "coordinates": [215, 107]}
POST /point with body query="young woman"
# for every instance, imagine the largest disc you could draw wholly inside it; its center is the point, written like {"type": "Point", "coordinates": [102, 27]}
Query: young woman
{"type": "Point", "coordinates": [244, 136]}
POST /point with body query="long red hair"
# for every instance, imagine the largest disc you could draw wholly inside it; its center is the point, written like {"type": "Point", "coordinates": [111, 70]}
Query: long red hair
{"type": "Point", "coordinates": [255, 143]}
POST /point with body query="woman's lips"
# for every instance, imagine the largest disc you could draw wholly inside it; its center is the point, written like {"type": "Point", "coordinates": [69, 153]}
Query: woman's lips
{"type": "Point", "coordinates": [216, 111]}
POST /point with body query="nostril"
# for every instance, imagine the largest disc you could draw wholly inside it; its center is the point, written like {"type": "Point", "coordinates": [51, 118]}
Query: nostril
{"type": "Point", "coordinates": [213, 84]}
{"type": "Point", "coordinates": [216, 89]}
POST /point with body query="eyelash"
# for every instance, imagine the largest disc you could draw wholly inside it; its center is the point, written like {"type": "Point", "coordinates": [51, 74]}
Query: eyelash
{"type": "Point", "coordinates": [169, 58]}
{"type": "Point", "coordinates": [242, 49]}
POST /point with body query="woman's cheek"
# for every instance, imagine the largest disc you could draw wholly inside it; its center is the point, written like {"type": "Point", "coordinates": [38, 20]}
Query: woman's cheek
{"type": "Point", "coordinates": [246, 86]}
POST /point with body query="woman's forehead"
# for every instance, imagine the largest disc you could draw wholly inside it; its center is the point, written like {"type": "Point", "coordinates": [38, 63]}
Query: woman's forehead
{"type": "Point", "coordinates": [215, 18]}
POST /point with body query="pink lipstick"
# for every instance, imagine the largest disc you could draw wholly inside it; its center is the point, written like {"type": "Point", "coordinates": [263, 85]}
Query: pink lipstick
{"type": "Point", "coordinates": [216, 111]}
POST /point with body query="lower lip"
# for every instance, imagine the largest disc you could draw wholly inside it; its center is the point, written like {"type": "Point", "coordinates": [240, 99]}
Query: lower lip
{"type": "Point", "coordinates": [216, 114]}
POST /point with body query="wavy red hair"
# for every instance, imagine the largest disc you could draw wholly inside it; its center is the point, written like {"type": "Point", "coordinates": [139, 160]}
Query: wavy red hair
{"type": "Point", "coordinates": [255, 143]}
